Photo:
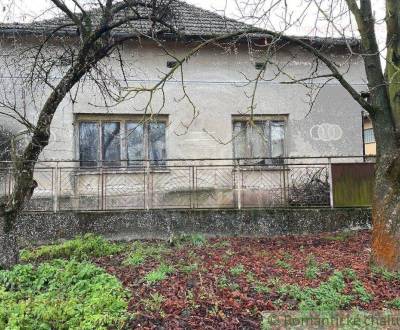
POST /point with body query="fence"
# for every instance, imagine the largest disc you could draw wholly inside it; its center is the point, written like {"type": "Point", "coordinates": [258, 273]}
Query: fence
{"type": "Point", "coordinates": [181, 184]}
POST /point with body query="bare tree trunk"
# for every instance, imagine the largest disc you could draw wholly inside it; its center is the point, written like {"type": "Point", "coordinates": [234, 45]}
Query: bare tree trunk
{"type": "Point", "coordinates": [386, 213]}
{"type": "Point", "coordinates": [9, 251]}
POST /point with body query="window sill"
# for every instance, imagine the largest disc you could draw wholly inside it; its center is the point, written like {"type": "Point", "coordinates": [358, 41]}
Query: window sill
{"type": "Point", "coordinates": [263, 168]}
{"type": "Point", "coordinates": [122, 170]}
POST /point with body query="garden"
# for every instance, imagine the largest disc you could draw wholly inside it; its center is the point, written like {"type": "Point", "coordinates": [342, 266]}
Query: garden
{"type": "Point", "coordinates": [192, 282]}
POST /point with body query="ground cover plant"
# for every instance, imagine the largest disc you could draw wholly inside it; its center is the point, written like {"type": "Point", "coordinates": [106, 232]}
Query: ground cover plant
{"type": "Point", "coordinates": [80, 248]}
{"type": "Point", "coordinates": [197, 283]}
{"type": "Point", "coordinates": [61, 294]}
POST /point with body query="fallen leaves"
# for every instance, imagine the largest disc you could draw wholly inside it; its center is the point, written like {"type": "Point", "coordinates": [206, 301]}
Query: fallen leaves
{"type": "Point", "coordinates": [204, 292]}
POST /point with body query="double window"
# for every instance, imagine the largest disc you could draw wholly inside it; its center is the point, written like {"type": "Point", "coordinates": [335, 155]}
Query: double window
{"type": "Point", "coordinates": [121, 142]}
{"type": "Point", "coordinates": [259, 139]}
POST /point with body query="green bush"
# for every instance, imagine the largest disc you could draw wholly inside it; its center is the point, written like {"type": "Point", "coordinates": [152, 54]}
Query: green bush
{"type": "Point", "coordinates": [61, 294]}
{"type": "Point", "coordinates": [80, 248]}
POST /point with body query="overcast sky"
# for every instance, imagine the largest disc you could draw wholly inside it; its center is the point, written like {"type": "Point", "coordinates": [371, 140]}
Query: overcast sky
{"type": "Point", "coordinates": [32, 7]}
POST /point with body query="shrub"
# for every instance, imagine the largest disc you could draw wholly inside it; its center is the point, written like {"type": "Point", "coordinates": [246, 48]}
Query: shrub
{"type": "Point", "coordinates": [80, 248]}
{"type": "Point", "coordinates": [61, 294]}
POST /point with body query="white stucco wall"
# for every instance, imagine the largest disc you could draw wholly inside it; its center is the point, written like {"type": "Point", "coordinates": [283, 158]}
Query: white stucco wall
{"type": "Point", "coordinates": [215, 82]}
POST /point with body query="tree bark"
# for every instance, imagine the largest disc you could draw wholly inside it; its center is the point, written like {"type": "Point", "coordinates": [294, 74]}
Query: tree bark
{"type": "Point", "coordinates": [9, 251]}
{"type": "Point", "coordinates": [386, 213]}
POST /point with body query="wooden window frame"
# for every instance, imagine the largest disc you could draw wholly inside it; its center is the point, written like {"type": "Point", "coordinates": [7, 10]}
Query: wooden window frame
{"type": "Point", "coordinates": [263, 119]}
{"type": "Point", "coordinates": [123, 120]}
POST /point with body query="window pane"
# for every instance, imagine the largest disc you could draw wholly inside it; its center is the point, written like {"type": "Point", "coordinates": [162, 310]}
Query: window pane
{"type": "Point", "coordinates": [239, 142]}
{"type": "Point", "coordinates": [135, 145]}
{"type": "Point", "coordinates": [369, 136]}
{"type": "Point", "coordinates": [258, 140]}
{"type": "Point", "coordinates": [88, 143]}
{"type": "Point", "coordinates": [111, 144]}
{"type": "Point", "coordinates": [277, 139]}
{"type": "Point", "coordinates": [157, 152]}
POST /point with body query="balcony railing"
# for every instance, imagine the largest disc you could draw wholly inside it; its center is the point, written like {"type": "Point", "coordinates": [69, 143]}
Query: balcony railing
{"type": "Point", "coordinates": [182, 184]}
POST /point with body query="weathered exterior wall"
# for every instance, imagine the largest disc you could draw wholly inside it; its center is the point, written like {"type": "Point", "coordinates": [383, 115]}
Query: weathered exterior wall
{"type": "Point", "coordinates": [36, 228]}
{"type": "Point", "coordinates": [213, 78]}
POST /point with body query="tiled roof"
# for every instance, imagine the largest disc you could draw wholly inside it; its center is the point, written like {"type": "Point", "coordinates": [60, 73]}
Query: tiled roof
{"type": "Point", "coordinates": [189, 20]}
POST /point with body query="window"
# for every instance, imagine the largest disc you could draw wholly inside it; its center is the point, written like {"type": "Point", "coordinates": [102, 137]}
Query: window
{"type": "Point", "coordinates": [111, 143]}
{"type": "Point", "coordinates": [135, 143]}
{"type": "Point", "coordinates": [156, 143]}
{"type": "Point", "coordinates": [121, 142]}
{"type": "Point", "coordinates": [88, 143]}
{"type": "Point", "coordinates": [369, 136]}
{"type": "Point", "coordinates": [262, 139]}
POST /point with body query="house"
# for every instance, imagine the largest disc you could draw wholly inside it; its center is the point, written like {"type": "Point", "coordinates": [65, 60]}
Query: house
{"type": "Point", "coordinates": [122, 156]}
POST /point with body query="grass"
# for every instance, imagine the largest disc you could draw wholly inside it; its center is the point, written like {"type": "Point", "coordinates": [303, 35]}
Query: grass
{"type": "Point", "coordinates": [361, 292]}
{"type": "Point", "coordinates": [258, 286]}
{"type": "Point", "coordinates": [385, 274]}
{"type": "Point", "coordinates": [80, 248]}
{"type": "Point", "coordinates": [193, 239]}
{"type": "Point", "coordinates": [142, 252]}
{"type": "Point", "coordinates": [154, 302]}
{"type": "Point", "coordinates": [158, 274]}
{"type": "Point", "coordinates": [237, 270]}
{"type": "Point", "coordinates": [189, 268]}
{"type": "Point", "coordinates": [341, 237]}
{"type": "Point", "coordinates": [283, 264]}
{"type": "Point", "coordinates": [328, 296]}
{"type": "Point", "coordinates": [395, 303]}
{"type": "Point", "coordinates": [61, 294]}
{"type": "Point", "coordinates": [312, 269]}
{"type": "Point", "coordinates": [223, 282]}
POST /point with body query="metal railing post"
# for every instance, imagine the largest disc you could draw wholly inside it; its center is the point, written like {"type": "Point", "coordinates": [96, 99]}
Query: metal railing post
{"type": "Point", "coordinates": [147, 184]}
{"type": "Point", "coordinates": [239, 188]}
{"type": "Point", "coordinates": [101, 187]}
{"type": "Point", "coordinates": [56, 188]}
{"type": "Point", "coordinates": [285, 185]}
{"type": "Point", "coordinates": [331, 201]}
{"type": "Point", "coordinates": [193, 188]}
